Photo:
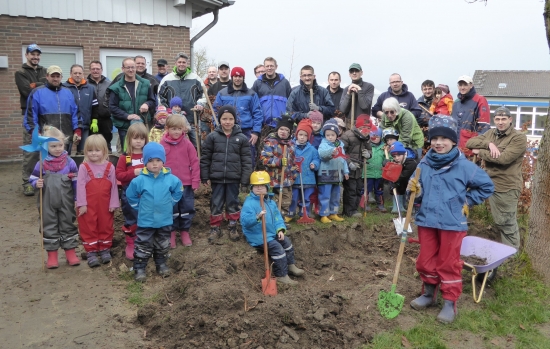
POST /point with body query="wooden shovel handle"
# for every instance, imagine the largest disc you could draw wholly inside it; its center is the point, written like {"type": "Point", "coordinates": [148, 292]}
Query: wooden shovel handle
{"type": "Point", "coordinates": [266, 257]}
{"type": "Point", "coordinates": [352, 110]}
{"type": "Point", "coordinates": [283, 168]}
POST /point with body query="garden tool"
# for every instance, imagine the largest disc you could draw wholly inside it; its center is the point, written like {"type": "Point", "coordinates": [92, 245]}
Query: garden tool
{"type": "Point", "coordinates": [269, 283]}
{"type": "Point", "coordinates": [366, 201]}
{"type": "Point", "coordinates": [282, 177]}
{"type": "Point", "coordinates": [198, 133]}
{"type": "Point", "coordinates": [352, 110]}
{"type": "Point", "coordinates": [392, 170]}
{"type": "Point", "coordinates": [304, 219]}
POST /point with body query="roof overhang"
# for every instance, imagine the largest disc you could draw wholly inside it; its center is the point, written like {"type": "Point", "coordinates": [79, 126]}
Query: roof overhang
{"type": "Point", "coordinates": [203, 7]}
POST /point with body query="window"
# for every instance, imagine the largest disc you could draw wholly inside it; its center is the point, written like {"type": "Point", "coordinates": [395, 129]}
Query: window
{"type": "Point", "coordinates": [62, 56]}
{"type": "Point", "coordinates": [112, 60]}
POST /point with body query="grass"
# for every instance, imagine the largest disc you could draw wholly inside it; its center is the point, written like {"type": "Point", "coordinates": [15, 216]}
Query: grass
{"type": "Point", "coordinates": [136, 291]}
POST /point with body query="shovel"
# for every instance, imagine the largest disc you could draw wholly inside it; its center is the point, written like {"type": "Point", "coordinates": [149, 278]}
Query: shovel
{"type": "Point", "coordinates": [269, 284]}
{"type": "Point", "coordinates": [365, 194]}
{"type": "Point", "coordinates": [392, 170]}
{"type": "Point", "coordinates": [391, 303]}
{"type": "Point", "coordinates": [352, 124]}
{"type": "Point", "coordinates": [283, 168]}
{"type": "Point", "coordinates": [305, 219]}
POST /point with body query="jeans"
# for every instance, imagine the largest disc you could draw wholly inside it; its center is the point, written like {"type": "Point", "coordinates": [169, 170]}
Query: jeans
{"type": "Point", "coordinates": [85, 134]}
{"type": "Point", "coordinates": [329, 199]}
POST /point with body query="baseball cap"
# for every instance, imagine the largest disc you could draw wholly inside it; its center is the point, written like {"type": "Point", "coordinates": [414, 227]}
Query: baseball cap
{"type": "Point", "coordinates": [162, 61]}
{"type": "Point", "coordinates": [355, 66]}
{"type": "Point", "coordinates": [223, 63]}
{"type": "Point", "coordinates": [503, 111]}
{"type": "Point", "coordinates": [466, 78]}
{"type": "Point", "coordinates": [54, 69]}
{"type": "Point", "coordinates": [33, 47]}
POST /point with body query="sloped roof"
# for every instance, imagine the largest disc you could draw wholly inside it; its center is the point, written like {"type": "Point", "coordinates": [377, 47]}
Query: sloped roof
{"type": "Point", "coordinates": [513, 83]}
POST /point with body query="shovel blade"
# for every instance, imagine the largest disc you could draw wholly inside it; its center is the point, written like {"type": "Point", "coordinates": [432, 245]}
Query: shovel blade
{"type": "Point", "coordinates": [269, 285]}
{"type": "Point", "coordinates": [390, 303]}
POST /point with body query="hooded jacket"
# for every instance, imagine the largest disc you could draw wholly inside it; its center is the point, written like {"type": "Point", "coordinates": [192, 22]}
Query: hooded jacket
{"type": "Point", "coordinates": [471, 112]}
{"type": "Point", "coordinates": [374, 166]}
{"type": "Point", "coordinates": [226, 159]}
{"type": "Point", "coordinates": [444, 106]}
{"type": "Point", "coordinates": [363, 100]}
{"type": "Point", "coordinates": [24, 77]}
{"type": "Point", "coordinates": [424, 115]}
{"type": "Point", "coordinates": [354, 144]}
{"type": "Point", "coordinates": [273, 99]}
{"type": "Point", "coordinates": [331, 170]}
{"type": "Point", "coordinates": [311, 156]}
{"type": "Point", "coordinates": [85, 98]}
{"type": "Point", "coordinates": [406, 100]}
{"type": "Point", "coordinates": [271, 157]}
{"type": "Point", "coordinates": [181, 158]}
{"type": "Point", "coordinates": [101, 87]}
{"type": "Point", "coordinates": [187, 86]}
{"type": "Point", "coordinates": [252, 227]}
{"type": "Point", "coordinates": [298, 101]}
{"type": "Point", "coordinates": [246, 103]}
{"type": "Point", "coordinates": [154, 197]}
{"type": "Point", "coordinates": [410, 134]}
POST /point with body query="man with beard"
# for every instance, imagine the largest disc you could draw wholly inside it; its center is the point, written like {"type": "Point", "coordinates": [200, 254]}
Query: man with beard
{"type": "Point", "coordinates": [400, 91]}
{"type": "Point", "coordinates": [223, 79]}
{"type": "Point", "coordinates": [364, 93]}
{"type": "Point", "coordinates": [101, 83]}
{"type": "Point", "coordinates": [161, 69]}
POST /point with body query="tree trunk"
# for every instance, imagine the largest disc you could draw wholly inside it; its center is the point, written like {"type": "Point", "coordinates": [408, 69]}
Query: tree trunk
{"type": "Point", "coordinates": [538, 241]}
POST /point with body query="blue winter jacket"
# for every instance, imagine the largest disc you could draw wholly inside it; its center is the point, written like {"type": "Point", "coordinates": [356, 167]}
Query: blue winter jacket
{"type": "Point", "coordinates": [331, 170]}
{"type": "Point", "coordinates": [252, 228]}
{"type": "Point", "coordinates": [406, 100]}
{"type": "Point", "coordinates": [311, 156]}
{"type": "Point", "coordinates": [85, 98]}
{"type": "Point", "coordinates": [154, 197]}
{"type": "Point", "coordinates": [298, 101]}
{"type": "Point", "coordinates": [247, 104]}
{"type": "Point", "coordinates": [445, 191]}
{"type": "Point", "coordinates": [272, 99]}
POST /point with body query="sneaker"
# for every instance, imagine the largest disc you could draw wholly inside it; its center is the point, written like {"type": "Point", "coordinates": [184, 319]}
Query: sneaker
{"type": "Point", "coordinates": [215, 234]}
{"type": "Point", "coordinates": [357, 215]}
{"type": "Point", "coordinates": [186, 239]}
{"type": "Point", "coordinates": [28, 189]}
{"type": "Point", "coordinates": [105, 256]}
{"type": "Point", "coordinates": [233, 232]}
{"type": "Point", "coordinates": [93, 261]}
{"type": "Point", "coordinates": [163, 270]}
{"type": "Point", "coordinates": [140, 275]}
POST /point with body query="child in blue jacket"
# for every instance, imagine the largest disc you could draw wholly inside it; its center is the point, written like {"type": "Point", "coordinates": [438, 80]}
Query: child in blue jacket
{"type": "Point", "coordinates": [310, 163]}
{"type": "Point", "coordinates": [153, 194]}
{"type": "Point", "coordinates": [279, 246]}
{"type": "Point", "coordinates": [449, 184]}
{"type": "Point", "coordinates": [332, 171]}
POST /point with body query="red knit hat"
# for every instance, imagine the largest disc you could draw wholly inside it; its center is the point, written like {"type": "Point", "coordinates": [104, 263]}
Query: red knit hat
{"type": "Point", "coordinates": [363, 120]}
{"type": "Point", "coordinates": [237, 71]}
{"type": "Point", "coordinates": [305, 125]}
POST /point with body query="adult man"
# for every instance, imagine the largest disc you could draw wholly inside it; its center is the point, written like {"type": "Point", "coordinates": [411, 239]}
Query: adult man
{"type": "Point", "coordinates": [299, 102]}
{"type": "Point", "coordinates": [425, 101]}
{"type": "Point", "coordinates": [247, 104]}
{"type": "Point", "coordinates": [186, 85]}
{"type": "Point", "coordinates": [400, 91]}
{"type": "Point", "coordinates": [28, 77]}
{"type": "Point", "coordinates": [223, 79]}
{"type": "Point", "coordinates": [471, 110]}
{"type": "Point", "coordinates": [503, 148]}
{"type": "Point", "coordinates": [101, 83]}
{"type": "Point", "coordinates": [364, 93]}
{"type": "Point", "coordinates": [86, 99]}
{"type": "Point", "coordinates": [54, 105]}
{"type": "Point", "coordinates": [273, 90]}
{"type": "Point", "coordinates": [211, 77]}
{"type": "Point", "coordinates": [259, 70]}
{"type": "Point", "coordinates": [161, 69]}
{"type": "Point", "coordinates": [334, 89]}
{"type": "Point", "coordinates": [130, 100]}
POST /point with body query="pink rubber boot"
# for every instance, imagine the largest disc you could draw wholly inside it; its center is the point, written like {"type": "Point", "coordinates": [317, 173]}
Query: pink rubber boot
{"type": "Point", "coordinates": [186, 239]}
{"type": "Point", "coordinates": [52, 260]}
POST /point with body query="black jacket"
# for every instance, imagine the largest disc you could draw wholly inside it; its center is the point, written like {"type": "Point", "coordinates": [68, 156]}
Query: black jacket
{"type": "Point", "coordinates": [408, 170]}
{"type": "Point", "coordinates": [23, 79]}
{"type": "Point", "coordinates": [226, 159]}
{"type": "Point", "coordinates": [336, 96]}
{"type": "Point", "coordinates": [100, 89]}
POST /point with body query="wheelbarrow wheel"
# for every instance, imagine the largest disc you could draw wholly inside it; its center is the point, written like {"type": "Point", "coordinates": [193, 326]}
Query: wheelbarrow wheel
{"type": "Point", "coordinates": [490, 277]}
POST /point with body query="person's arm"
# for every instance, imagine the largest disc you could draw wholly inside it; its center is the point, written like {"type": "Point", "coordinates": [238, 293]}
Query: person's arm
{"type": "Point", "coordinates": [30, 119]}
{"type": "Point", "coordinates": [479, 142]}
{"type": "Point", "coordinates": [194, 165]}
{"type": "Point", "coordinates": [248, 216]}
{"type": "Point", "coordinates": [515, 149]}
{"type": "Point", "coordinates": [415, 109]}
{"type": "Point", "coordinates": [114, 202]}
{"type": "Point", "coordinates": [257, 115]}
{"type": "Point", "coordinates": [207, 150]}
{"type": "Point", "coordinates": [406, 128]}
{"type": "Point", "coordinates": [377, 107]}
{"type": "Point", "coordinates": [480, 186]}
{"type": "Point", "coordinates": [176, 189]}
{"type": "Point", "coordinates": [483, 114]}
{"type": "Point", "coordinates": [115, 110]}
{"type": "Point", "coordinates": [35, 175]}
{"type": "Point", "coordinates": [325, 151]}
{"type": "Point", "coordinates": [95, 107]}
{"type": "Point", "coordinates": [365, 96]}
{"type": "Point", "coordinates": [24, 85]}
{"type": "Point", "coordinates": [150, 101]}
{"type": "Point", "coordinates": [77, 121]}
{"type": "Point", "coordinates": [345, 101]}
{"type": "Point", "coordinates": [246, 163]}
{"type": "Point", "coordinates": [297, 115]}
{"type": "Point", "coordinates": [326, 106]}
{"type": "Point", "coordinates": [161, 96]}
{"type": "Point", "coordinates": [133, 193]}
{"type": "Point", "coordinates": [83, 179]}
{"type": "Point", "coordinates": [449, 102]}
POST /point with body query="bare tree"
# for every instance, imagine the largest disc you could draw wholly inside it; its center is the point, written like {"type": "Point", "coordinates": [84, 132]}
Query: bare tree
{"type": "Point", "coordinates": [201, 62]}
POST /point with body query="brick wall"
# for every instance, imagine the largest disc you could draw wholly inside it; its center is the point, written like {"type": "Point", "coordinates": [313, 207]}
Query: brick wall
{"type": "Point", "coordinates": [91, 36]}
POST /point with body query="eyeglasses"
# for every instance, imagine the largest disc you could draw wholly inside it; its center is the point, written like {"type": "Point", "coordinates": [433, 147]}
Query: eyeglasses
{"type": "Point", "coordinates": [307, 75]}
{"type": "Point", "coordinates": [389, 112]}
{"type": "Point", "coordinates": [129, 68]}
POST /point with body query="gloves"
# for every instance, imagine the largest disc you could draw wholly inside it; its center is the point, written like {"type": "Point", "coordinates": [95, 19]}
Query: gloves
{"type": "Point", "coordinates": [366, 153]}
{"type": "Point", "coordinates": [244, 188]}
{"type": "Point", "coordinates": [77, 136]}
{"type": "Point", "coordinates": [414, 187]}
{"type": "Point", "coordinates": [352, 166]}
{"type": "Point", "coordinates": [282, 230]}
{"type": "Point", "coordinates": [33, 84]}
{"type": "Point", "coordinates": [204, 181]}
{"type": "Point", "coordinates": [384, 162]}
{"type": "Point", "coordinates": [313, 107]}
{"type": "Point", "coordinates": [284, 161]}
{"type": "Point", "coordinates": [466, 210]}
{"type": "Point", "coordinates": [93, 127]}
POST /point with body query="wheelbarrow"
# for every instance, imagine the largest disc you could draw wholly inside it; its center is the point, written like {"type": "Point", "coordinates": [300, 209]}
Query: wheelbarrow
{"type": "Point", "coordinates": [494, 252]}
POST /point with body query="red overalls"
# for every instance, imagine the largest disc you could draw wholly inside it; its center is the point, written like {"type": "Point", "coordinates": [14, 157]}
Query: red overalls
{"type": "Point", "coordinates": [96, 225]}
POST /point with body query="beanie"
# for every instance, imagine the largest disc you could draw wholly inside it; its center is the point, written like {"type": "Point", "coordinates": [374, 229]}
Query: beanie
{"type": "Point", "coordinates": [375, 131]}
{"type": "Point", "coordinates": [305, 125]}
{"type": "Point", "coordinates": [316, 116]}
{"type": "Point", "coordinates": [442, 125]}
{"type": "Point", "coordinates": [363, 120]}
{"type": "Point", "coordinates": [285, 121]}
{"type": "Point", "coordinates": [227, 109]}
{"type": "Point", "coordinates": [162, 112]}
{"type": "Point", "coordinates": [237, 71]}
{"type": "Point", "coordinates": [341, 123]}
{"type": "Point", "coordinates": [153, 150]}
{"type": "Point", "coordinates": [443, 88]}
{"type": "Point", "coordinates": [176, 101]}
{"type": "Point", "coordinates": [330, 124]}
{"type": "Point", "coordinates": [397, 148]}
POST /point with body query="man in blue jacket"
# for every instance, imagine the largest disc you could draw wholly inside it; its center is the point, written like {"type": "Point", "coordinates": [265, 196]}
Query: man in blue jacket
{"type": "Point", "coordinates": [247, 104]}
{"type": "Point", "coordinates": [273, 90]}
{"type": "Point", "coordinates": [400, 91]}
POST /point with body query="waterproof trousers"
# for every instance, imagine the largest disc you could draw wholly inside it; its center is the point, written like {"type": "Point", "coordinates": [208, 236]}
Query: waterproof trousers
{"type": "Point", "coordinates": [281, 253]}
{"type": "Point", "coordinates": [184, 210]}
{"type": "Point", "coordinates": [224, 194]}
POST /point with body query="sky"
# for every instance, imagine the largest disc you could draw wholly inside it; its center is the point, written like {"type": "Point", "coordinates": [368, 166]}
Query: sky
{"type": "Point", "coordinates": [438, 40]}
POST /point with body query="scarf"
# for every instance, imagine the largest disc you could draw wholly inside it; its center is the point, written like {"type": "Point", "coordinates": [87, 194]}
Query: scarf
{"type": "Point", "coordinates": [437, 161]}
{"type": "Point", "coordinates": [166, 137]}
{"type": "Point", "coordinates": [55, 164]}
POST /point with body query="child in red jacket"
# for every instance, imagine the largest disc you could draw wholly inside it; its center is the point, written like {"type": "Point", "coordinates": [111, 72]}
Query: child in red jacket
{"type": "Point", "coordinates": [443, 101]}
{"type": "Point", "coordinates": [182, 159]}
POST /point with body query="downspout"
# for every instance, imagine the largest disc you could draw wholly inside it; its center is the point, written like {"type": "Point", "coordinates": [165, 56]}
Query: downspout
{"type": "Point", "coordinates": [201, 33]}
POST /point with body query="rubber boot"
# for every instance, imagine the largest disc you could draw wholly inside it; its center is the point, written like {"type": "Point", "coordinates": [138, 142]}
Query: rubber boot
{"type": "Point", "coordinates": [130, 247]}
{"type": "Point", "coordinates": [371, 198]}
{"type": "Point", "coordinates": [427, 299]}
{"type": "Point", "coordinates": [72, 259]}
{"type": "Point", "coordinates": [294, 270]}
{"type": "Point", "coordinates": [92, 259]}
{"type": "Point", "coordinates": [140, 275]}
{"type": "Point", "coordinates": [448, 312]}
{"type": "Point", "coordinates": [163, 270]}
{"type": "Point", "coordinates": [325, 220]}
{"type": "Point", "coordinates": [105, 256]}
{"type": "Point", "coordinates": [173, 239]}
{"type": "Point", "coordinates": [215, 234]}
{"type": "Point", "coordinates": [380, 203]}
{"type": "Point", "coordinates": [233, 233]}
{"type": "Point", "coordinates": [401, 207]}
{"type": "Point", "coordinates": [52, 260]}
{"type": "Point", "coordinates": [287, 280]}
{"type": "Point", "coordinates": [186, 239]}
{"type": "Point", "coordinates": [335, 217]}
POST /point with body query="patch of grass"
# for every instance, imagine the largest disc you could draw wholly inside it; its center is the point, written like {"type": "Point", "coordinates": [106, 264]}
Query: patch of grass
{"type": "Point", "coordinates": [136, 296]}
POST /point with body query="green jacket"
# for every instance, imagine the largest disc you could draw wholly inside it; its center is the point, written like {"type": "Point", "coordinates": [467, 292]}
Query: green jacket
{"type": "Point", "coordinates": [125, 102]}
{"type": "Point", "coordinates": [374, 166]}
{"type": "Point", "coordinates": [410, 134]}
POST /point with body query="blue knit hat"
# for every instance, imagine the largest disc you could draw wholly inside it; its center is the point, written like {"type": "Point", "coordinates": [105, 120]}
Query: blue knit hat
{"type": "Point", "coordinates": [442, 125]}
{"type": "Point", "coordinates": [396, 148]}
{"type": "Point", "coordinates": [330, 124]}
{"type": "Point", "coordinates": [176, 101]}
{"type": "Point", "coordinates": [153, 150]}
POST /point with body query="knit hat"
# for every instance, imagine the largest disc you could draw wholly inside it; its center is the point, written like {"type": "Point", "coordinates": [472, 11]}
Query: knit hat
{"type": "Point", "coordinates": [375, 131]}
{"type": "Point", "coordinates": [341, 123]}
{"type": "Point", "coordinates": [162, 112]}
{"type": "Point", "coordinates": [330, 124]}
{"type": "Point", "coordinates": [443, 88]}
{"type": "Point", "coordinates": [176, 101]}
{"type": "Point", "coordinates": [397, 148]}
{"type": "Point", "coordinates": [363, 120]}
{"type": "Point", "coordinates": [237, 71]}
{"type": "Point", "coordinates": [305, 125]}
{"type": "Point", "coordinates": [442, 125]}
{"type": "Point", "coordinates": [285, 121]}
{"type": "Point", "coordinates": [227, 109]}
{"type": "Point", "coordinates": [316, 116]}
{"type": "Point", "coordinates": [153, 150]}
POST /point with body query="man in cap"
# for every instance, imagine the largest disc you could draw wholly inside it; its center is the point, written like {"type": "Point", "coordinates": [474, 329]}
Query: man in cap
{"type": "Point", "coordinates": [247, 104]}
{"type": "Point", "coordinates": [364, 92]}
{"type": "Point", "coordinates": [470, 110]}
{"type": "Point", "coordinates": [502, 148]}
{"type": "Point", "coordinates": [334, 89]}
{"type": "Point", "coordinates": [28, 77]}
{"type": "Point", "coordinates": [400, 91]}
{"type": "Point", "coordinates": [161, 69]}
{"type": "Point", "coordinates": [54, 105]}
{"type": "Point", "coordinates": [223, 79]}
